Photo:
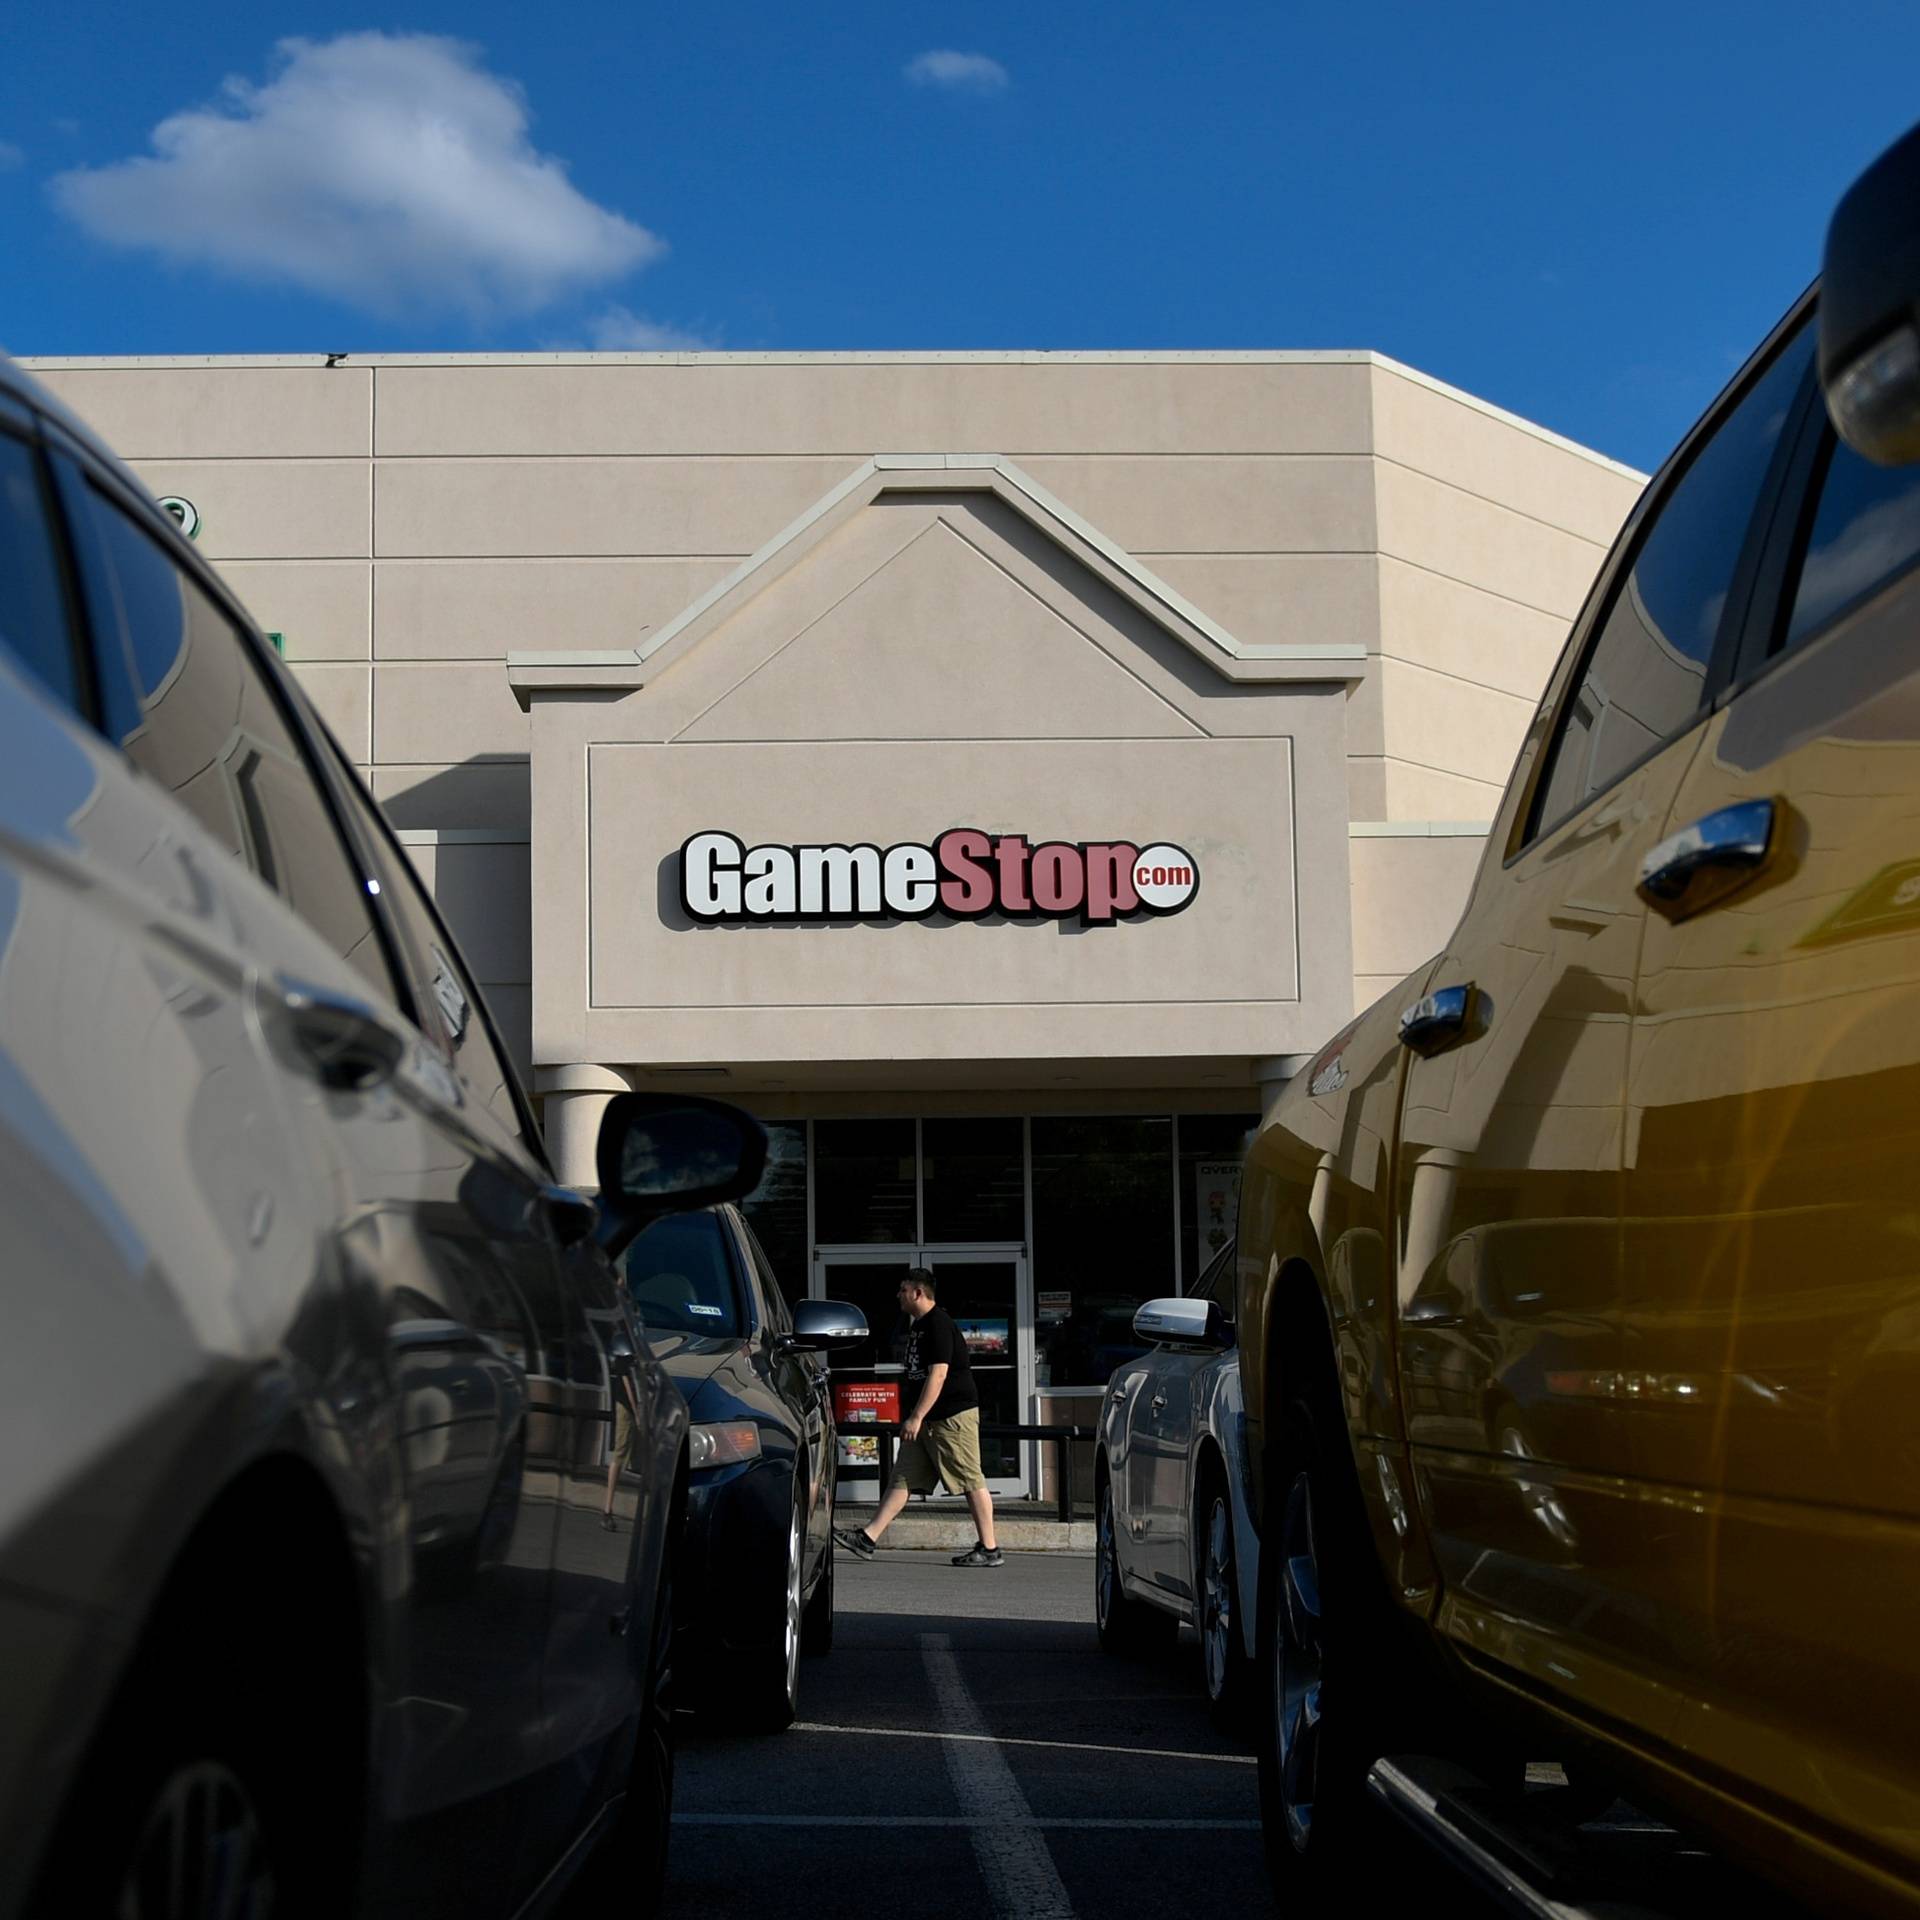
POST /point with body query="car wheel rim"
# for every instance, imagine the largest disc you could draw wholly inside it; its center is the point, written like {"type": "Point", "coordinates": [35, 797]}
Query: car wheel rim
{"type": "Point", "coordinates": [1216, 1604]}
{"type": "Point", "coordinates": [1299, 1662]}
{"type": "Point", "coordinates": [1105, 1572]}
{"type": "Point", "coordinates": [793, 1610]}
{"type": "Point", "coordinates": [202, 1853]}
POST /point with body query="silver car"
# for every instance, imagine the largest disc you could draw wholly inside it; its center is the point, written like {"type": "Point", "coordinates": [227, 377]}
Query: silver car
{"type": "Point", "coordinates": [1173, 1540]}
{"type": "Point", "coordinates": [308, 1601]}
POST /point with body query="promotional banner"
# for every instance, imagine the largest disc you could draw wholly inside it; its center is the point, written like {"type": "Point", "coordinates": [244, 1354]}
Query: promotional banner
{"type": "Point", "coordinates": [1217, 1189]}
{"type": "Point", "coordinates": [857, 1403]}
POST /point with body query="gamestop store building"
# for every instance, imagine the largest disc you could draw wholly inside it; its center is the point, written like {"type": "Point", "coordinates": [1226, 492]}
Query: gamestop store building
{"type": "Point", "coordinates": [1003, 828]}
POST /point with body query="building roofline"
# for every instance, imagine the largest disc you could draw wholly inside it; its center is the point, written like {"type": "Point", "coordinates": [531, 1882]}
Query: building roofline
{"type": "Point", "coordinates": [530, 671]}
{"type": "Point", "coordinates": [1068, 357]}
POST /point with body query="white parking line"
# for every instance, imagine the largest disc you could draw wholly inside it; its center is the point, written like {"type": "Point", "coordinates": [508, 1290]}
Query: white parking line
{"type": "Point", "coordinates": [1022, 1881]}
{"type": "Point", "coordinates": [1064, 1825]}
{"type": "Point", "coordinates": [1063, 1746]}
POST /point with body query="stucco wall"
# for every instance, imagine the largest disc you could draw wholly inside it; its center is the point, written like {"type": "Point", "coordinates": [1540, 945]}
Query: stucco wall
{"type": "Point", "coordinates": [405, 524]}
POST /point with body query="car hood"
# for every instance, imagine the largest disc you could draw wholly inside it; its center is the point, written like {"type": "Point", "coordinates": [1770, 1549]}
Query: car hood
{"type": "Point", "coordinates": [691, 1359]}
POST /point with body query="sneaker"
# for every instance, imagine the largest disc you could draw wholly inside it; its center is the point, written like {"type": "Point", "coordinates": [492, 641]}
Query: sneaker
{"type": "Point", "coordinates": [979, 1556]}
{"type": "Point", "coordinates": [854, 1541]}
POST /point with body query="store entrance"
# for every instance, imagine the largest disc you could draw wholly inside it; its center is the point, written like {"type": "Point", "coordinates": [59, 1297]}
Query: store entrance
{"type": "Point", "coordinates": [984, 1288]}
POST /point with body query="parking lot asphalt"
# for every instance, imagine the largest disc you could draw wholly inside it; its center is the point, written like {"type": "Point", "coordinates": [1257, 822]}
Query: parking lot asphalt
{"type": "Point", "coordinates": [967, 1749]}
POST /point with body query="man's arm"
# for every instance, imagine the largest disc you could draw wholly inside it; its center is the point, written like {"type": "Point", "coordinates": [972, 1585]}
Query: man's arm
{"type": "Point", "coordinates": [929, 1399]}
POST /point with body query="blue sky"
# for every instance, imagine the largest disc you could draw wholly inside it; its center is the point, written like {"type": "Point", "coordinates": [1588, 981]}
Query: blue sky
{"type": "Point", "coordinates": [1585, 215]}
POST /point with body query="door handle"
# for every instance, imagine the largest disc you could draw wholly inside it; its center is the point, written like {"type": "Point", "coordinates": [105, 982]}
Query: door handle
{"type": "Point", "coordinates": [341, 1041]}
{"type": "Point", "coordinates": [1430, 1313]}
{"type": "Point", "coordinates": [1443, 1019]}
{"type": "Point", "coordinates": [1158, 1401]}
{"type": "Point", "coordinates": [1701, 865]}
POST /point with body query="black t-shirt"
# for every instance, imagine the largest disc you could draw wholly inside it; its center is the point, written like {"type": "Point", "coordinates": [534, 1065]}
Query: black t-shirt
{"type": "Point", "coordinates": [930, 1340]}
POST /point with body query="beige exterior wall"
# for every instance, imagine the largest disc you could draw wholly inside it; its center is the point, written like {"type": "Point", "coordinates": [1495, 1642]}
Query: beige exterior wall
{"type": "Point", "coordinates": [406, 523]}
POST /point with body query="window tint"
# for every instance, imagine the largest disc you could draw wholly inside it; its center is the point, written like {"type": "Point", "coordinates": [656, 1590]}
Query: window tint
{"type": "Point", "coordinates": [33, 606]}
{"type": "Point", "coordinates": [195, 713]}
{"type": "Point", "coordinates": [1647, 665]}
{"type": "Point", "coordinates": [680, 1280]}
{"type": "Point", "coordinates": [1866, 529]}
{"type": "Point", "coordinates": [864, 1181]}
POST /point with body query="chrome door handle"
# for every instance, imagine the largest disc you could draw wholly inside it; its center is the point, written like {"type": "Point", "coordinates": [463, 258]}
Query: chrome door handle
{"type": "Point", "coordinates": [1701, 865]}
{"type": "Point", "coordinates": [1159, 1400]}
{"type": "Point", "coordinates": [341, 1041]}
{"type": "Point", "coordinates": [1445, 1016]}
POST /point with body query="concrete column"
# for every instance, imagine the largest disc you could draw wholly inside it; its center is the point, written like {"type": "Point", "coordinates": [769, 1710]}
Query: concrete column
{"type": "Point", "coordinates": [1271, 1076]}
{"type": "Point", "coordinates": [576, 1100]}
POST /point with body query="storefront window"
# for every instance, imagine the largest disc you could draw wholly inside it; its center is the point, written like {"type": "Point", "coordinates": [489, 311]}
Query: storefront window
{"type": "Point", "coordinates": [1212, 1146]}
{"type": "Point", "coordinates": [1102, 1240]}
{"type": "Point", "coordinates": [974, 1179]}
{"type": "Point", "coordinates": [776, 1209]}
{"type": "Point", "coordinates": [863, 1182]}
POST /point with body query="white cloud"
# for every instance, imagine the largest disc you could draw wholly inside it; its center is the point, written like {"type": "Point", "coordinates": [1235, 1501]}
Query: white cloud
{"type": "Point", "coordinates": [11, 157]}
{"type": "Point", "coordinates": [620, 330]}
{"type": "Point", "coordinates": [958, 72]}
{"type": "Point", "coordinates": [389, 172]}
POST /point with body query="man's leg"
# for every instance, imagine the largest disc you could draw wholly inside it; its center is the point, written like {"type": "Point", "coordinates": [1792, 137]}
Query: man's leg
{"type": "Point", "coordinates": [897, 1497]}
{"type": "Point", "coordinates": [980, 1502]}
{"type": "Point", "coordinates": [911, 1470]}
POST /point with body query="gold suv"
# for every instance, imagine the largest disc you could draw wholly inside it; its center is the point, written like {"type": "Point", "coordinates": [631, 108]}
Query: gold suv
{"type": "Point", "coordinates": [1580, 1278]}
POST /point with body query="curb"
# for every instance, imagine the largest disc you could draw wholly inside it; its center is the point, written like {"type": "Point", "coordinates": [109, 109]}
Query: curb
{"type": "Point", "coordinates": [926, 1534]}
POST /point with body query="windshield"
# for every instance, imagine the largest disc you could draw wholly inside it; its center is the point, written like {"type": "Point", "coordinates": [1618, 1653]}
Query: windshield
{"type": "Point", "coordinates": [680, 1279]}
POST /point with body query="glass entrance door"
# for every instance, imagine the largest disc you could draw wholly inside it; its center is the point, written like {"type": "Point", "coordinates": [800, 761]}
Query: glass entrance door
{"type": "Point", "coordinates": [984, 1289]}
{"type": "Point", "coordinates": [982, 1292]}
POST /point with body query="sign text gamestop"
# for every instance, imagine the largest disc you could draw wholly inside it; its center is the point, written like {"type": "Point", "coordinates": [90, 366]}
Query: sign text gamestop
{"type": "Point", "coordinates": [966, 874]}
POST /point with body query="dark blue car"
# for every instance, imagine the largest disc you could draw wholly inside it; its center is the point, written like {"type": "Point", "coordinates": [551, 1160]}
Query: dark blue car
{"type": "Point", "coordinates": [755, 1578]}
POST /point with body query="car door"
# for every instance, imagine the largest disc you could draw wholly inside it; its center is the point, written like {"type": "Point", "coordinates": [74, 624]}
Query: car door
{"type": "Point", "coordinates": [442, 1251]}
{"type": "Point", "coordinates": [1512, 1342]}
{"type": "Point", "coordinates": [602, 1580]}
{"type": "Point", "coordinates": [1137, 1385]}
{"type": "Point", "coordinates": [1772, 1243]}
{"type": "Point", "coordinates": [801, 1381]}
{"type": "Point", "coordinates": [1161, 1440]}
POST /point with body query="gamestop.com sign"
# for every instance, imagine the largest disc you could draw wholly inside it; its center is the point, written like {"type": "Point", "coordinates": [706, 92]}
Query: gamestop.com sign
{"type": "Point", "coordinates": [965, 874]}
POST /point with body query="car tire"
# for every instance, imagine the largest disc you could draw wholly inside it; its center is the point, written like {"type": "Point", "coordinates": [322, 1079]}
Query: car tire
{"type": "Point", "coordinates": [629, 1868]}
{"type": "Point", "coordinates": [1332, 1695]}
{"type": "Point", "coordinates": [816, 1624]}
{"type": "Point", "coordinates": [767, 1696]}
{"type": "Point", "coordinates": [1126, 1626]}
{"type": "Point", "coordinates": [1223, 1660]}
{"type": "Point", "coordinates": [194, 1795]}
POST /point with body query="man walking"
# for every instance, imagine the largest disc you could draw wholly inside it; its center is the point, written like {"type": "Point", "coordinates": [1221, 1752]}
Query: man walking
{"type": "Point", "coordinates": [940, 1439]}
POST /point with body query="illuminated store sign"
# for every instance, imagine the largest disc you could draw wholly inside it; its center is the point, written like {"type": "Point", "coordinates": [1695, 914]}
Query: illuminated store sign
{"type": "Point", "coordinates": [966, 874]}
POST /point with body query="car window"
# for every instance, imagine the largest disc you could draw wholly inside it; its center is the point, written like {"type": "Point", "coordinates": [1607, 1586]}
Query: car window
{"type": "Point", "coordinates": [777, 1314]}
{"type": "Point", "coordinates": [182, 696]}
{"type": "Point", "coordinates": [1646, 665]}
{"type": "Point", "coordinates": [451, 1011]}
{"type": "Point", "coordinates": [1209, 1285]}
{"type": "Point", "coordinates": [1863, 531]}
{"type": "Point", "coordinates": [679, 1278]}
{"type": "Point", "coordinates": [34, 627]}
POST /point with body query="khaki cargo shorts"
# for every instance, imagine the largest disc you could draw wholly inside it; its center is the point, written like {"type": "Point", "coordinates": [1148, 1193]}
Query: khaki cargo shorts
{"type": "Point", "coordinates": [947, 1450]}
{"type": "Point", "coordinates": [624, 1431]}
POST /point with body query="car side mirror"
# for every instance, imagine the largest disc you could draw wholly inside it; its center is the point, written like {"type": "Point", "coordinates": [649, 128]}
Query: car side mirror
{"type": "Point", "coordinates": [1183, 1322]}
{"type": "Point", "coordinates": [820, 1325]}
{"type": "Point", "coordinates": [661, 1153]}
{"type": "Point", "coordinates": [1870, 309]}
